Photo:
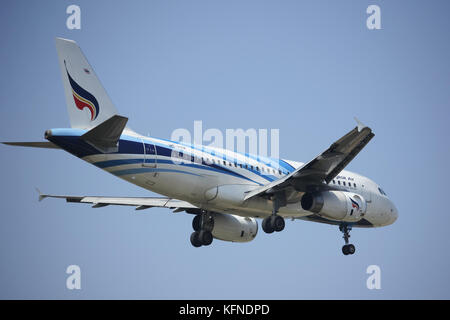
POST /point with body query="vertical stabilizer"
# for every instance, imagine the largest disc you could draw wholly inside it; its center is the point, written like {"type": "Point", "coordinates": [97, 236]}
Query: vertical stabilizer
{"type": "Point", "coordinates": [87, 102]}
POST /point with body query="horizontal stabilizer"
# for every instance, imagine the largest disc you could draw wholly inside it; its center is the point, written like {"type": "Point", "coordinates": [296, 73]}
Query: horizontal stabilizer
{"type": "Point", "coordinates": [106, 135]}
{"type": "Point", "coordinates": [44, 144]}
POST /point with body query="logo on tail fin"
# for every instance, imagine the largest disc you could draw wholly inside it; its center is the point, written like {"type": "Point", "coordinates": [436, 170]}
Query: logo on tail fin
{"type": "Point", "coordinates": [83, 99]}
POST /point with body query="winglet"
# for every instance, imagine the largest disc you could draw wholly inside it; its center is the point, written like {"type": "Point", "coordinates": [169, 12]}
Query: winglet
{"type": "Point", "coordinates": [41, 196]}
{"type": "Point", "coordinates": [360, 124]}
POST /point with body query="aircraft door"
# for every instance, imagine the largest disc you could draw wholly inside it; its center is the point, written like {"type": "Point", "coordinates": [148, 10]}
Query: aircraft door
{"type": "Point", "coordinates": [367, 194]}
{"type": "Point", "coordinates": [150, 155]}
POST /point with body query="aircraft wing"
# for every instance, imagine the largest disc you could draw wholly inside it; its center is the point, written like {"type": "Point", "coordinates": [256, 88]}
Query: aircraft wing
{"type": "Point", "coordinates": [139, 202]}
{"type": "Point", "coordinates": [325, 167]}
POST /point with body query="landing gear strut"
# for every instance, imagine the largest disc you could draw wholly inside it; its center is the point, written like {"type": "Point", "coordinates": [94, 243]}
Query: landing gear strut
{"type": "Point", "coordinates": [203, 224]}
{"type": "Point", "coordinates": [347, 248]}
{"type": "Point", "coordinates": [275, 222]}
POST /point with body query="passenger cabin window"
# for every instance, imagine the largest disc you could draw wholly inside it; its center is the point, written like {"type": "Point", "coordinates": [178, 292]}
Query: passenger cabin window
{"type": "Point", "coordinates": [343, 182]}
{"type": "Point", "coordinates": [354, 184]}
{"type": "Point", "coordinates": [339, 182]}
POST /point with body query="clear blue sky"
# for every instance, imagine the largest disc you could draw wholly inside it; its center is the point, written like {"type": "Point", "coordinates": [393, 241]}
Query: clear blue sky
{"type": "Point", "coordinates": [304, 67]}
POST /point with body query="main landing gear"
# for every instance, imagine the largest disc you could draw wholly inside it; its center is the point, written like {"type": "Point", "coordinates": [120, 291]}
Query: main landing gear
{"type": "Point", "coordinates": [347, 248]}
{"type": "Point", "coordinates": [275, 222]}
{"type": "Point", "coordinates": [203, 224]}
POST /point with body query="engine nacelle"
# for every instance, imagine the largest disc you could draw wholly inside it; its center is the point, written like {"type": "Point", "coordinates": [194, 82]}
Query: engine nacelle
{"type": "Point", "coordinates": [335, 205]}
{"type": "Point", "coordinates": [234, 228]}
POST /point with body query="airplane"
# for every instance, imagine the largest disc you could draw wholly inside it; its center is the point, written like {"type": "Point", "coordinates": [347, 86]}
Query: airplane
{"type": "Point", "coordinates": [225, 191]}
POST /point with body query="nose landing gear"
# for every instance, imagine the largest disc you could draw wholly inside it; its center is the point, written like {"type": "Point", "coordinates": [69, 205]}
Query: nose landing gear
{"type": "Point", "coordinates": [348, 248]}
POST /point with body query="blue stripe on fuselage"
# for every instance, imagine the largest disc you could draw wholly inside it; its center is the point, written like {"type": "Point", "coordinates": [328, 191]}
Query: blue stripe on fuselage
{"type": "Point", "coordinates": [204, 166]}
{"type": "Point", "coordinates": [145, 170]}
{"type": "Point", "coordinates": [69, 140]}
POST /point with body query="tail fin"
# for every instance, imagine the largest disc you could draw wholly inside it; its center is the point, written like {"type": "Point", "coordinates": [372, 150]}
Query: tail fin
{"type": "Point", "coordinates": [88, 103]}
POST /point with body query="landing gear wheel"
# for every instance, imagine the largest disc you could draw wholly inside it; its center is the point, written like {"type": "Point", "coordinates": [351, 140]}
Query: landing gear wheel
{"type": "Point", "coordinates": [267, 225]}
{"type": "Point", "coordinates": [351, 249]}
{"type": "Point", "coordinates": [197, 222]}
{"type": "Point", "coordinates": [273, 223]}
{"type": "Point", "coordinates": [277, 223]}
{"type": "Point", "coordinates": [195, 241]}
{"type": "Point", "coordinates": [348, 249]}
{"type": "Point", "coordinates": [203, 225]}
{"type": "Point", "coordinates": [205, 237]}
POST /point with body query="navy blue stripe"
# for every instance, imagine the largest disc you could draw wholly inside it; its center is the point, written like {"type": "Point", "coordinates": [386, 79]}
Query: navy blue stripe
{"type": "Point", "coordinates": [265, 160]}
{"type": "Point", "coordinates": [81, 149]}
{"type": "Point", "coordinates": [145, 170]}
{"type": "Point", "coordinates": [119, 162]}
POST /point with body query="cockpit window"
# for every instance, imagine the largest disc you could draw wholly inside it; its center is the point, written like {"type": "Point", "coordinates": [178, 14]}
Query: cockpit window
{"type": "Point", "coordinates": [382, 192]}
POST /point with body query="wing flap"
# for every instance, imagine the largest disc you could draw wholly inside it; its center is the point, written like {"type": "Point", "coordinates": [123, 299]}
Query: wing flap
{"type": "Point", "coordinates": [139, 202]}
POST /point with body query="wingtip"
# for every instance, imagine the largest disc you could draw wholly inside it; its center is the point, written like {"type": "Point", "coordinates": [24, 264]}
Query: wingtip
{"type": "Point", "coordinates": [64, 40]}
{"type": "Point", "coordinates": [360, 124]}
{"type": "Point", "coordinates": [41, 196]}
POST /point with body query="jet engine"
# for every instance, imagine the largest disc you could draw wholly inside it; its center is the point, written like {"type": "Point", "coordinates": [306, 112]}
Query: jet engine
{"type": "Point", "coordinates": [234, 228]}
{"type": "Point", "coordinates": [335, 205]}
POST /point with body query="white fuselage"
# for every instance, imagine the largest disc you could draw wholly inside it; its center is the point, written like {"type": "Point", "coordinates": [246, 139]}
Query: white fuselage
{"type": "Point", "coordinates": [217, 179]}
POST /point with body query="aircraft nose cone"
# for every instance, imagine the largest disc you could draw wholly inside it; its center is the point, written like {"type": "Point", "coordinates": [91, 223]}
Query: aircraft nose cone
{"type": "Point", "coordinates": [393, 213]}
